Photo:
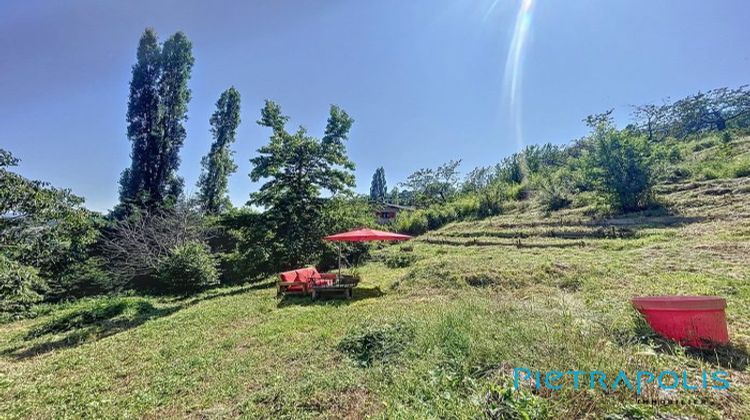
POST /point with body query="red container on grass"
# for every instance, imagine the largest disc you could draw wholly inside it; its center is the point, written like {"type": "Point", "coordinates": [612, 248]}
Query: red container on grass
{"type": "Point", "coordinates": [696, 321]}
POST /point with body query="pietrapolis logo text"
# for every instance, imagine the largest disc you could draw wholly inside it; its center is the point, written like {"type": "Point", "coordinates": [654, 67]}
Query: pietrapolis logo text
{"type": "Point", "coordinates": [577, 379]}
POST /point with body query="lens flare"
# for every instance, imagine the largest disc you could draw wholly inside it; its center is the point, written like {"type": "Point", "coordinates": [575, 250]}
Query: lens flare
{"type": "Point", "coordinates": [513, 77]}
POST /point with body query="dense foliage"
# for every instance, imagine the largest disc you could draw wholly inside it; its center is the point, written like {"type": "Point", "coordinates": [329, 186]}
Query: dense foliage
{"type": "Point", "coordinates": [45, 234]}
{"type": "Point", "coordinates": [135, 247]}
{"type": "Point", "coordinates": [20, 287]}
{"type": "Point", "coordinates": [188, 267]}
{"type": "Point", "coordinates": [611, 169]}
{"type": "Point", "coordinates": [433, 186]}
{"type": "Point", "coordinates": [296, 168]}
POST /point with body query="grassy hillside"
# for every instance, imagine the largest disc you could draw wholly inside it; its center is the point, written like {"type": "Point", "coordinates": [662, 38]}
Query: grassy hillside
{"type": "Point", "coordinates": [437, 338]}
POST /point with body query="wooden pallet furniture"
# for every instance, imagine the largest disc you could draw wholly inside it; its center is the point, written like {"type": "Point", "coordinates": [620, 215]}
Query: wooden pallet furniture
{"type": "Point", "coordinates": [300, 281]}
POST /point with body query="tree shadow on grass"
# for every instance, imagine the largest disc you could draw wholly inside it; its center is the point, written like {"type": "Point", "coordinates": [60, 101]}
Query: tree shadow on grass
{"type": "Point", "coordinates": [187, 300]}
{"type": "Point", "coordinates": [92, 323]}
{"type": "Point", "coordinates": [359, 293]}
{"type": "Point", "coordinates": [106, 317]}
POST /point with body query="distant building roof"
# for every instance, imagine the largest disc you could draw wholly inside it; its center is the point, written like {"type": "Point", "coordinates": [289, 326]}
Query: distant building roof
{"type": "Point", "coordinates": [396, 206]}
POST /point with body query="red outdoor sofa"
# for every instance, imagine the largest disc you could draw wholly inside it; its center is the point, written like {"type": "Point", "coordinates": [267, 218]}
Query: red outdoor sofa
{"type": "Point", "coordinates": [301, 281]}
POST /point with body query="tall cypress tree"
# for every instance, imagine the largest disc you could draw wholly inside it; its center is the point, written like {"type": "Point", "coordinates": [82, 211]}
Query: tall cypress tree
{"type": "Point", "coordinates": [177, 63]}
{"type": "Point", "coordinates": [218, 164]}
{"type": "Point", "coordinates": [157, 109]}
{"type": "Point", "coordinates": [143, 120]}
{"type": "Point", "coordinates": [378, 189]}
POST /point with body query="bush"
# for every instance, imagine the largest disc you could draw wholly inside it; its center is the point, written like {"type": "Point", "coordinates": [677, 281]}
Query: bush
{"type": "Point", "coordinates": [466, 206]}
{"type": "Point", "coordinates": [740, 167]}
{"type": "Point", "coordinates": [440, 215]}
{"type": "Point", "coordinates": [188, 267]}
{"type": "Point", "coordinates": [490, 200]}
{"type": "Point", "coordinates": [371, 343]}
{"type": "Point", "coordinates": [619, 166]}
{"type": "Point", "coordinates": [555, 191]}
{"type": "Point", "coordinates": [517, 191]}
{"type": "Point", "coordinates": [412, 223]}
{"type": "Point", "coordinates": [399, 260]}
{"type": "Point", "coordinates": [19, 288]}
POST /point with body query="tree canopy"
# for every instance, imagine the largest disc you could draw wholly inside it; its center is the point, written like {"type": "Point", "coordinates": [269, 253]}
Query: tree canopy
{"type": "Point", "coordinates": [296, 168]}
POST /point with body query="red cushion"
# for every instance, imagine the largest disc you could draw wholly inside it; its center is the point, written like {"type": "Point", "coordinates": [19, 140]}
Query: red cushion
{"type": "Point", "coordinates": [307, 274]}
{"type": "Point", "coordinates": [323, 282]}
{"type": "Point", "coordinates": [295, 288]}
{"type": "Point", "coordinates": [288, 276]}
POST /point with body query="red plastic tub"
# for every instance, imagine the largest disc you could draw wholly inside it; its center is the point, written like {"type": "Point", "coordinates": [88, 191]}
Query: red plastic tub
{"type": "Point", "coordinates": [696, 321]}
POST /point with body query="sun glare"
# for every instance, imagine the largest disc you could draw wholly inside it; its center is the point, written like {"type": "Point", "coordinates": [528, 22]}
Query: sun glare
{"type": "Point", "coordinates": [513, 76]}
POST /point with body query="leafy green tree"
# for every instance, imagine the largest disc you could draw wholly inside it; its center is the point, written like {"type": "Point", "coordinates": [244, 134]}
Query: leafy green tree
{"type": "Point", "coordinates": [157, 109]}
{"type": "Point", "coordinates": [619, 165]}
{"type": "Point", "coordinates": [297, 168]}
{"type": "Point", "coordinates": [652, 120]}
{"type": "Point", "coordinates": [394, 196]}
{"type": "Point", "coordinates": [510, 170]}
{"type": "Point", "coordinates": [434, 186]}
{"type": "Point", "coordinates": [378, 188]}
{"type": "Point", "coordinates": [543, 159]}
{"type": "Point", "coordinates": [712, 110]}
{"type": "Point", "coordinates": [478, 178]}
{"type": "Point", "coordinates": [44, 231]}
{"type": "Point", "coordinates": [218, 164]}
{"type": "Point", "coordinates": [555, 189]}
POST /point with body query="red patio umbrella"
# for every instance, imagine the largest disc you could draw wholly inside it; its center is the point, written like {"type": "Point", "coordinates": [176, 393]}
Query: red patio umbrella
{"type": "Point", "coordinates": [365, 235]}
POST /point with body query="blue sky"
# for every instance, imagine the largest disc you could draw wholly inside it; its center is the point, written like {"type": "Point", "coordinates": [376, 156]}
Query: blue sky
{"type": "Point", "coordinates": [426, 80]}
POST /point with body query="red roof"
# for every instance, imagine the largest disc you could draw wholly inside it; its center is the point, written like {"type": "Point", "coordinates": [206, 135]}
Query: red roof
{"type": "Point", "coordinates": [363, 235]}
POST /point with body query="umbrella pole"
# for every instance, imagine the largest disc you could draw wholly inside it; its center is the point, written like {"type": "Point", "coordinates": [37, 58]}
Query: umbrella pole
{"type": "Point", "coordinates": [339, 248]}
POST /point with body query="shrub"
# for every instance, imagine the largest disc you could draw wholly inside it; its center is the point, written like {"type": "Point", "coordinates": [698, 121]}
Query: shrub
{"type": "Point", "coordinates": [136, 247]}
{"type": "Point", "coordinates": [619, 166]}
{"type": "Point", "coordinates": [438, 216]}
{"type": "Point", "coordinates": [517, 191]}
{"type": "Point", "coordinates": [705, 144]}
{"type": "Point", "coordinates": [466, 206]}
{"type": "Point", "coordinates": [399, 260]}
{"type": "Point", "coordinates": [676, 174]}
{"type": "Point", "coordinates": [413, 223]}
{"type": "Point", "coordinates": [371, 343]}
{"type": "Point", "coordinates": [188, 267]}
{"type": "Point", "coordinates": [555, 191]}
{"type": "Point", "coordinates": [740, 167]}
{"type": "Point", "coordinates": [491, 200]}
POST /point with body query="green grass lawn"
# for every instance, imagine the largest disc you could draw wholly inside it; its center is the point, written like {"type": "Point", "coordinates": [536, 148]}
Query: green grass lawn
{"type": "Point", "coordinates": [438, 338]}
